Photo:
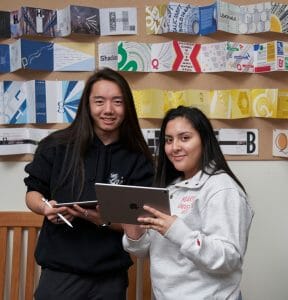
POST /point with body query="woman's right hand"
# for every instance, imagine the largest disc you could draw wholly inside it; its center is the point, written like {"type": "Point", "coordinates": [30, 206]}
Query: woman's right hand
{"type": "Point", "coordinates": [51, 213]}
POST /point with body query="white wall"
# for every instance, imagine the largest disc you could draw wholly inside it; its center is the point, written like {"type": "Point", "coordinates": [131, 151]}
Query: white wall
{"type": "Point", "coordinates": [266, 262]}
{"type": "Point", "coordinates": [12, 188]}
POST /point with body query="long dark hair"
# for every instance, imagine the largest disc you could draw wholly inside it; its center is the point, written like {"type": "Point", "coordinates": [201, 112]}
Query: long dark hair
{"type": "Point", "coordinates": [79, 135]}
{"type": "Point", "coordinates": [212, 156]}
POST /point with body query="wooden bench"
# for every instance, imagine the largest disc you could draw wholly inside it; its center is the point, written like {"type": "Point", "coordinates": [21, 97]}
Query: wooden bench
{"type": "Point", "coordinates": [19, 271]}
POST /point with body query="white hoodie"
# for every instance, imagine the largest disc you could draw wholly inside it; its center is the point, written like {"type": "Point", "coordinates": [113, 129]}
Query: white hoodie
{"type": "Point", "coordinates": [201, 254]}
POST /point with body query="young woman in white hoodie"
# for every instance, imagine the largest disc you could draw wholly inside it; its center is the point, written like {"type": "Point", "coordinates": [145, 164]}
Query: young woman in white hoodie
{"type": "Point", "coordinates": [198, 251]}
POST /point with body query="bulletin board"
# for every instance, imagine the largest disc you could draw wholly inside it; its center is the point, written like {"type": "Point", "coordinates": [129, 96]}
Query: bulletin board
{"type": "Point", "coordinates": [167, 80]}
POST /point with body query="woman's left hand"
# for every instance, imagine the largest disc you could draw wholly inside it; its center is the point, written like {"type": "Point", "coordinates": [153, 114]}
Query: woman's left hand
{"type": "Point", "coordinates": [89, 214]}
{"type": "Point", "coordinates": [160, 222]}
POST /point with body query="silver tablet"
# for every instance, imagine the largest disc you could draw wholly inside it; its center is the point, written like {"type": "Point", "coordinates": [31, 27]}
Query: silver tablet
{"type": "Point", "coordinates": [124, 203]}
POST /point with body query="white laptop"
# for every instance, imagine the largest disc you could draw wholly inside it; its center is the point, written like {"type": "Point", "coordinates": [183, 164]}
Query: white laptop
{"type": "Point", "coordinates": [124, 203]}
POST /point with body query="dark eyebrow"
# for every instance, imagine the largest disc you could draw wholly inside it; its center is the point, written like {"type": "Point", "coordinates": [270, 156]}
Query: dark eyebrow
{"type": "Point", "coordinates": [181, 133]}
{"type": "Point", "coordinates": [97, 97]}
{"type": "Point", "coordinates": [101, 97]}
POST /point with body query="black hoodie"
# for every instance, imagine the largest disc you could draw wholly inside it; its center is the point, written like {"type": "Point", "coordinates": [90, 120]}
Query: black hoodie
{"type": "Point", "coordinates": [84, 249]}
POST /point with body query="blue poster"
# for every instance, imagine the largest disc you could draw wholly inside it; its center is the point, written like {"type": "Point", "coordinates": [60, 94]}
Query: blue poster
{"type": "Point", "coordinates": [36, 55]}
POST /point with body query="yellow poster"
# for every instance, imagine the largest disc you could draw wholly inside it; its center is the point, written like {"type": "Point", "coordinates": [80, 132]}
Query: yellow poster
{"type": "Point", "coordinates": [220, 104]}
{"type": "Point", "coordinates": [264, 103]}
{"type": "Point", "coordinates": [149, 103]}
{"type": "Point", "coordinates": [241, 103]}
{"type": "Point", "coordinates": [282, 109]}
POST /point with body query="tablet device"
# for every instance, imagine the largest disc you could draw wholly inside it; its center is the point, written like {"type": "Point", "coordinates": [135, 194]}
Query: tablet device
{"type": "Point", "coordinates": [84, 204]}
{"type": "Point", "coordinates": [124, 203]}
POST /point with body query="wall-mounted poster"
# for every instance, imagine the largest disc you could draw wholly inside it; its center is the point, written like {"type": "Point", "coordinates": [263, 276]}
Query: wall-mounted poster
{"type": "Point", "coordinates": [280, 142]}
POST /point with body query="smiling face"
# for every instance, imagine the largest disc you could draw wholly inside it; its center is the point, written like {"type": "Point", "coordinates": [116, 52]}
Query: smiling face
{"type": "Point", "coordinates": [183, 146]}
{"type": "Point", "coordinates": [107, 110]}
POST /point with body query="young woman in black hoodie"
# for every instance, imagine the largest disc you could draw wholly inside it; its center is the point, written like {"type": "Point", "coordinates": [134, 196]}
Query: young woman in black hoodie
{"type": "Point", "coordinates": [105, 144]}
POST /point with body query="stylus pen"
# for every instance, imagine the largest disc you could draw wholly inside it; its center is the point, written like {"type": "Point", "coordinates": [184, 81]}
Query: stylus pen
{"type": "Point", "coordinates": [59, 215]}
